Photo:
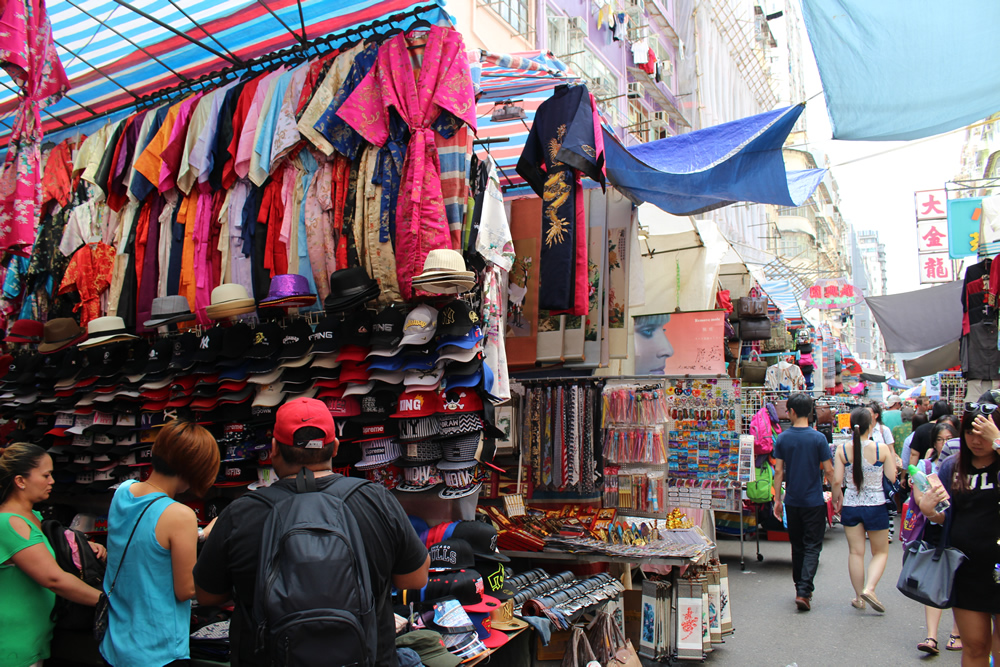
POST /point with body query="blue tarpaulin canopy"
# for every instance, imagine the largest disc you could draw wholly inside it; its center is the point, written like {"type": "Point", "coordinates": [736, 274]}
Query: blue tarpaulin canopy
{"type": "Point", "coordinates": [904, 69]}
{"type": "Point", "coordinates": [707, 169]}
{"type": "Point", "coordinates": [782, 294]}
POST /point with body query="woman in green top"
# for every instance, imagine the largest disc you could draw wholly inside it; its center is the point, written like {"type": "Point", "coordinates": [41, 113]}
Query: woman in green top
{"type": "Point", "coordinates": [30, 578]}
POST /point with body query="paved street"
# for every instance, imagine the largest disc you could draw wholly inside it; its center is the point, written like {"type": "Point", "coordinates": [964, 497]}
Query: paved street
{"type": "Point", "coordinates": [771, 633]}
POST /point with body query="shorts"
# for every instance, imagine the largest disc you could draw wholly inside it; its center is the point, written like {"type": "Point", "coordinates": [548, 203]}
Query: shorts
{"type": "Point", "coordinates": [872, 517]}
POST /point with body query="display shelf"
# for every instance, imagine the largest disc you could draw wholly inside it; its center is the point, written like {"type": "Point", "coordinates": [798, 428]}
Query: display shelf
{"type": "Point", "coordinates": [599, 558]}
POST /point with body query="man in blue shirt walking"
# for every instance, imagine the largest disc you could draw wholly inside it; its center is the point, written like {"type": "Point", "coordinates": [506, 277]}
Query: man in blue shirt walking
{"type": "Point", "coordinates": [802, 459]}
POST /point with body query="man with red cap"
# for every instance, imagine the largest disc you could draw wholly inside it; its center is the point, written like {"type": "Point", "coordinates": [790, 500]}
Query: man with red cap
{"type": "Point", "coordinates": [304, 438]}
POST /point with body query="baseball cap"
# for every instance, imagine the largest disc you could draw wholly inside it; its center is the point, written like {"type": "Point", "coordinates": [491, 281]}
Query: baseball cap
{"type": "Point", "coordinates": [464, 585]}
{"type": "Point", "coordinates": [430, 647]}
{"type": "Point", "coordinates": [484, 631]}
{"type": "Point", "coordinates": [418, 428]}
{"type": "Point", "coordinates": [295, 341]}
{"type": "Point", "coordinates": [892, 400]}
{"type": "Point", "coordinates": [451, 554]}
{"type": "Point", "coordinates": [450, 618]}
{"type": "Point", "coordinates": [496, 582]}
{"type": "Point", "coordinates": [482, 537]}
{"type": "Point", "coordinates": [266, 341]}
{"type": "Point", "coordinates": [184, 349]}
{"type": "Point", "coordinates": [456, 319]}
{"type": "Point", "coordinates": [420, 325]}
{"type": "Point", "coordinates": [357, 330]}
{"type": "Point", "coordinates": [326, 338]}
{"type": "Point", "coordinates": [460, 400]}
{"type": "Point", "coordinates": [304, 422]}
{"type": "Point", "coordinates": [466, 340]}
{"type": "Point", "coordinates": [417, 404]}
{"type": "Point", "coordinates": [237, 341]}
{"type": "Point", "coordinates": [376, 407]}
{"type": "Point", "coordinates": [387, 327]}
{"type": "Point", "coordinates": [210, 345]}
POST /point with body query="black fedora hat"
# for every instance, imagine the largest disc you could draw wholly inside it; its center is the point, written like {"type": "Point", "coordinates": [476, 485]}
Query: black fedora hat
{"type": "Point", "coordinates": [350, 287]}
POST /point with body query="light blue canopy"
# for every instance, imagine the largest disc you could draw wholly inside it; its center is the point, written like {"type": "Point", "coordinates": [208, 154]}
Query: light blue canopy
{"type": "Point", "coordinates": [904, 69]}
{"type": "Point", "coordinates": [703, 170]}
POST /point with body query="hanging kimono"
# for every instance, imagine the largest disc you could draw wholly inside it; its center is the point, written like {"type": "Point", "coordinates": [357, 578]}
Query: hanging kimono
{"type": "Point", "coordinates": [564, 142]}
{"type": "Point", "coordinates": [28, 54]}
{"type": "Point", "coordinates": [442, 81]}
{"type": "Point", "coordinates": [89, 274]}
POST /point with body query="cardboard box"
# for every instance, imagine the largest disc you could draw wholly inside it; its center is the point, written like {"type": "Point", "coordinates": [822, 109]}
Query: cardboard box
{"type": "Point", "coordinates": [556, 648]}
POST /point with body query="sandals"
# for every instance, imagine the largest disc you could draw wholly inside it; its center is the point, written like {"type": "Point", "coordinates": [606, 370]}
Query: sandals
{"type": "Point", "coordinates": [954, 643]}
{"type": "Point", "coordinates": [858, 604]}
{"type": "Point", "coordinates": [873, 601]}
{"type": "Point", "coordinates": [929, 645]}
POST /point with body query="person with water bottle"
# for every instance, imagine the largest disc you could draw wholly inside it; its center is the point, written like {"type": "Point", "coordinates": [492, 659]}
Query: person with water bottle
{"type": "Point", "coordinates": [970, 482]}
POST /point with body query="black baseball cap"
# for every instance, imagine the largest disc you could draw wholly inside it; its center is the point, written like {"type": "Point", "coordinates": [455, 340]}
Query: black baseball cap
{"type": "Point", "coordinates": [496, 579]}
{"type": "Point", "coordinates": [185, 346]}
{"type": "Point", "coordinates": [376, 406]}
{"type": "Point", "coordinates": [387, 327]}
{"type": "Point", "coordinates": [456, 319]}
{"type": "Point", "coordinates": [266, 341]}
{"type": "Point", "coordinates": [326, 338]}
{"type": "Point", "coordinates": [357, 330]}
{"type": "Point", "coordinates": [237, 341]}
{"type": "Point", "coordinates": [138, 355]}
{"type": "Point", "coordinates": [295, 340]}
{"type": "Point", "coordinates": [210, 345]}
{"type": "Point", "coordinates": [159, 356]}
{"type": "Point", "coordinates": [482, 537]}
{"type": "Point", "coordinates": [451, 554]}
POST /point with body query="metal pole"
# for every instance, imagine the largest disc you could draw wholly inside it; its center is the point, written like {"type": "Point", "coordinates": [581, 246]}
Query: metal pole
{"type": "Point", "coordinates": [97, 69]}
{"type": "Point", "coordinates": [174, 30]}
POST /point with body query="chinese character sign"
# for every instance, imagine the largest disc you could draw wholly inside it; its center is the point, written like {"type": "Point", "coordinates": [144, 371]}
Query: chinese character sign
{"type": "Point", "coordinates": [932, 236]}
{"type": "Point", "coordinates": [831, 294]}
{"type": "Point", "coordinates": [936, 268]}
{"type": "Point", "coordinates": [964, 217]}
{"type": "Point", "coordinates": [930, 204]}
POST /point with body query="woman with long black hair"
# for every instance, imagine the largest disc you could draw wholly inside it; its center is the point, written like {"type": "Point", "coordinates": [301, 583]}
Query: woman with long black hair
{"type": "Point", "coordinates": [864, 510]}
{"type": "Point", "coordinates": [971, 479]}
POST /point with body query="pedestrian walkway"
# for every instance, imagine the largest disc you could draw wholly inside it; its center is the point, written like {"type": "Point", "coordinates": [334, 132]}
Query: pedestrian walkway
{"type": "Point", "coordinates": [771, 633]}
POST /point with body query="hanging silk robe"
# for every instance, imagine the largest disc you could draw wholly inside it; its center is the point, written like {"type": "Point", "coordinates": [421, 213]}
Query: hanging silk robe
{"type": "Point", "coordinates": [28, 54]}
{"type": "Point", "coordinates": [562, 144]}
{"type": "Point", "coordinates": [442, 82]}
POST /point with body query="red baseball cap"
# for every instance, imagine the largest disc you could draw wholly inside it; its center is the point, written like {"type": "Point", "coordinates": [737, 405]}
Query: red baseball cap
{"type": "Point", "coordinates": [304, 422]}
{"type": "Point", "coordinates": [418, 404]}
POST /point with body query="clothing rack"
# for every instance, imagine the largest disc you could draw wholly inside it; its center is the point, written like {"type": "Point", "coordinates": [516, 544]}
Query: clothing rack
{"type": "Point", "coordinates": [212, 79]}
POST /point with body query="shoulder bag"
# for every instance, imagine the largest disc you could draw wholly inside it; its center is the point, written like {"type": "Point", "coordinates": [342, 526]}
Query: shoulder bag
{"type": "Point", "coordinates": [104, 603]}
{"type": "Point", "coordinates": [928, 574]}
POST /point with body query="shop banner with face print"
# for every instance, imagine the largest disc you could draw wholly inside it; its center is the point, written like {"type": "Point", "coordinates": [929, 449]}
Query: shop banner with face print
{"type": "Point", "coordinates": [680, 343]}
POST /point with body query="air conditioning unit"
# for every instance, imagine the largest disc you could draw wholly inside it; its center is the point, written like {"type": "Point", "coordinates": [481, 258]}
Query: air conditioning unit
{"type": "Point", "coordinates": [640, 5]}
{"type": "Point", "coordinates": [577, 23]}
{"type": "Point", "coordinates": [660, 118]}
{"type": "Point", "coordinates": [635, 88]}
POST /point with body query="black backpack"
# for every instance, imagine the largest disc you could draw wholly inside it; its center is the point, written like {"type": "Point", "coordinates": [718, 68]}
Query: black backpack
{"type": "Point", "coordinates": [313, 601]}
{"type": "Point", "coordinates": [70, 615]}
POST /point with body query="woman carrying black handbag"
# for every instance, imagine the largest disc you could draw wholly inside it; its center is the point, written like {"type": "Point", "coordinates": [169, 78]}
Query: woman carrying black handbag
{"type": "Point", "coordinates": [973, 476]}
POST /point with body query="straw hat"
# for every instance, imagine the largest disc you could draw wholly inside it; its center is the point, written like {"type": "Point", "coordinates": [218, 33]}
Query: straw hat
{"type": "Point", "coordinates": [103, 330]}
{"type": "Point", "coordinates": [229, 300]}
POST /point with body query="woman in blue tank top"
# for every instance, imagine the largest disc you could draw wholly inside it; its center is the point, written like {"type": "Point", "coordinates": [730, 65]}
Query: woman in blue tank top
{"type": "Point", "coordinates": [150, 611]}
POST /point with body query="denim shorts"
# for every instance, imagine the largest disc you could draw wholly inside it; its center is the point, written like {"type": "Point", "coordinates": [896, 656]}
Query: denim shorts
{"type": "Point", "coordinates": [872, 517]}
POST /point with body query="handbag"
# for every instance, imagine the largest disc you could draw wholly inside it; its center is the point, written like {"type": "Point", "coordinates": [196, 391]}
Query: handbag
{"type": "Point", "coordinates": [824, 414]}
{"type": "Point", "coordinates": [928, 574]}
{"type": "Point", "coordinates": [578, 651]}
{"type": "Point", "coordinates": [751, 306]}
{"type": "Point", "coordinates": [753, 370]}
{"type": "Point", "coordinates": [757, 328]}
{"type": "Point", "coordinates": [103, 606]}
{"type": "Point", "coordinates": [611, 647]}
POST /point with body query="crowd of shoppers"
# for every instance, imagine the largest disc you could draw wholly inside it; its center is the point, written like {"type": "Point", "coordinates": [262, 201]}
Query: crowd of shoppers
{"type": "Point", "coordinates": [153, 566]}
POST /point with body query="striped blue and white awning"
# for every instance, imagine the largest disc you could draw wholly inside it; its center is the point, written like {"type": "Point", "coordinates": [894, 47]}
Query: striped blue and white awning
{"type": "Point", "coordinates": [782, 294]}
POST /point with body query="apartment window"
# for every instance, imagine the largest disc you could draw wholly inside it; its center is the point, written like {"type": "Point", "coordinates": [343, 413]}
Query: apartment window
{"type": "Point", "coordinates": [514, 12]}
{"type": "Point", "coordinates": [638, 121]}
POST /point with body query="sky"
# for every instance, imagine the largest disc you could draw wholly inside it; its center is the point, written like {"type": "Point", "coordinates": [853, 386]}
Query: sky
{"type": "Point", "coordinates": [877, 193]}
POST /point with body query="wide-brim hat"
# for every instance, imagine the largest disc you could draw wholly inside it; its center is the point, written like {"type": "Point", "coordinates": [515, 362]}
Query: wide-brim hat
{"type": "Point", "coordinates": [60, 333]}
{"type": "Point", "coordinates": [229, 300]}
{"type": "Point", "coordinates": [449, 285]}
{"type": "Point", "coordinates": [350, 287]}
{"type": "Point", "coordinates": [288, 289]}
{"type": "Point", "coordinates": [103, 330]}
{"type": "Point", "coordinates": [169, 310]}
{"type": "Point", "coordinates": [443, 263]}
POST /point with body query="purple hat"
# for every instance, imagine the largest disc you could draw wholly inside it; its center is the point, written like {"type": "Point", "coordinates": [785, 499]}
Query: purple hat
{"type": "Point", "coordinates": [289, 290]}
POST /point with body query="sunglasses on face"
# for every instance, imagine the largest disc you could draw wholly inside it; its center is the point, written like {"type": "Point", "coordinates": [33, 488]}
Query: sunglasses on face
{"type": "Point", "coordinates": [984, 408]}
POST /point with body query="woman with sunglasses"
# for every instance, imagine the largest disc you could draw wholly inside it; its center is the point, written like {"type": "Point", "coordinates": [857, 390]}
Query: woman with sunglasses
{"type": "Point", "coordinates": [972, 478]}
